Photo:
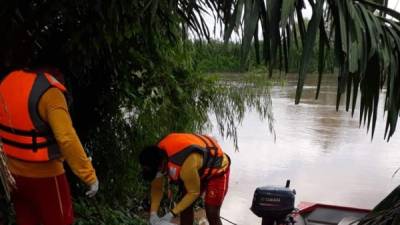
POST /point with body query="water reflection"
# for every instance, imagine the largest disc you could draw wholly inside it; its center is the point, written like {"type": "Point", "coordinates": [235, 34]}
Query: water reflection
{"type": "Point", "coordinates": [326, 155]}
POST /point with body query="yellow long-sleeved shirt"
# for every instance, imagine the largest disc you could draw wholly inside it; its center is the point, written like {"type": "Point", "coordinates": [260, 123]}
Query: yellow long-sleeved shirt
{"type": "Point", "coordinates": [191, 180]}
{"type": "Point", "coordinates": [53, 110]}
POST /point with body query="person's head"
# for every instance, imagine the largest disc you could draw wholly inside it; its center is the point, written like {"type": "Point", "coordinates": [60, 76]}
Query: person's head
{"type": "Point", "coordinates": [152, 159]}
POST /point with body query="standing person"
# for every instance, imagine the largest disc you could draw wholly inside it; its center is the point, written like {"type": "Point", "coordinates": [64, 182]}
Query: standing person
{"type": "Point", "coordinates": [37, 135]}
{"type": "Point", "coordinates": [197, 164]}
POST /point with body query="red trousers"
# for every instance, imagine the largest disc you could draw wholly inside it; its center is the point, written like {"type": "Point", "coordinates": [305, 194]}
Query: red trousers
{"type": "Point", "coordinates": [215, 189]}
{"type": "Point", "coordinates": [43, 201]}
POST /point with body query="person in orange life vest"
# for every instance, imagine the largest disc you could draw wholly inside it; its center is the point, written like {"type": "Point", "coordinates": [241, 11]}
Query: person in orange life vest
{"type": "Point", "coordinates": [38, 135]}
{"type": "Point", "coordinates": [196, 162]}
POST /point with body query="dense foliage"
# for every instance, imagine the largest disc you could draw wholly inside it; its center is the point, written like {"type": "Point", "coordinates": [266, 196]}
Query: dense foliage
{"type": "Point", "coordinates": [217, 56]}
{"type": "Point", "coordinates": [364, 34]}
{"type": "Point", "coordinates": [126, 84]}
{"type": "Point", "coordinates": [130, 73]}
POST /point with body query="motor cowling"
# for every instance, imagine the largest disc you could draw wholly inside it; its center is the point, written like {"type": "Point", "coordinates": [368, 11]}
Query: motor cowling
{"type": "Point", "coordinates": [273, 203]}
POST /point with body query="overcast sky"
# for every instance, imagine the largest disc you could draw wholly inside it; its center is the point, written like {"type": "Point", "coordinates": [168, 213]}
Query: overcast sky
{"type": "Point", "coordinates": [394, 4]}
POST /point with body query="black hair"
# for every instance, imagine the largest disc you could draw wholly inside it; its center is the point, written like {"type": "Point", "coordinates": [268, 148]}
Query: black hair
{"type": "Point", "coordinates": [150, 158]}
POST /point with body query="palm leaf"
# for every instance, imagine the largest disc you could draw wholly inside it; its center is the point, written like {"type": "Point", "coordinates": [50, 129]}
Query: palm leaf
{"type": "Point", "coordinates": [257, 46]}
{"type": "Point", "coordinates": [251, 17]}
{"type": "Point", "coordinates": [285, 46]}
{"type": "Point", "coordinates": [300, 20]}
{"type": "Point", "coordinates": [234, 21]}
{"type": "Point", "coordinates": [321, 57]}
{"type": "Point", "coordinates": [366, 35]}
{"type": "Point", "coordinates": [308, 47]}
{"type": "Point", "coordinates": [265, 27]}
{"type": "Point", "coordinates": [273, 8]}
{"type": "Point", "coordinates": [288, 7]}
{"type": "Point", "coordinates": [382, 8]}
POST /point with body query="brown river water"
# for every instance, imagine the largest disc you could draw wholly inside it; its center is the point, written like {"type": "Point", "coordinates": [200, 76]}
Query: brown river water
{"type": "Point", "coordinates": [326, 155]}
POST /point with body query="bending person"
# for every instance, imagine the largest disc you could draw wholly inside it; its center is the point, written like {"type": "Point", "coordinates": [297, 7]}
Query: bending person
{"type": "Point", "coordinates": [197, 164]}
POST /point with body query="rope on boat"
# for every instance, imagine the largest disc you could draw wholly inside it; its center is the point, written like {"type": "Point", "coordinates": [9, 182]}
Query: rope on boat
{"type": "Point", "coordinates": [228, 221]}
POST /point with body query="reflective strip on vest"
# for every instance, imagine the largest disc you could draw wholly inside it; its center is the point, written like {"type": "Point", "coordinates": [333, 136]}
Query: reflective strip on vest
{"type": "Point", "coordinates": [24, 134]}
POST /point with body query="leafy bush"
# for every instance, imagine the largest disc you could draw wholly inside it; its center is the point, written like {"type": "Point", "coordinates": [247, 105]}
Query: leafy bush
{"type": "Point", "coordinates": [217, 56]}
{"type": "Point", "coordinates": [90, 212]}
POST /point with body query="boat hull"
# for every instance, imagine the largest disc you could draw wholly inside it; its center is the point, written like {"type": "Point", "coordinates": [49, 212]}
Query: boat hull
{"type": "Point", "coordinates": [322, 214]}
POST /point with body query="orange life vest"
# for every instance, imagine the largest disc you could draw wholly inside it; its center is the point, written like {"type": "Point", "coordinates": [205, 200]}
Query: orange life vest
{"type": "Point", "coordinates": [24, 134]}
{"type": "Point", "coordinates": [178, 146]}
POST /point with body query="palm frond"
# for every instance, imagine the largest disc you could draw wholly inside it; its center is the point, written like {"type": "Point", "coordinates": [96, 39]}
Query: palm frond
{"type": "Point", "coordinates": [366, 37]}
{"type": "Point", "coordinates": [366, 44]}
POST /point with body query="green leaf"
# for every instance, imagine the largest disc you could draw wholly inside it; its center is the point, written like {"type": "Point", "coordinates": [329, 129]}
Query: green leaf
{"type": "Point", "coordinates": [300, 22]}
{"type": "Point", "coordinates": [343, 25]}
{"type": "Point", "coordinates": [293, 25]}
{"type": "Point", "coordinates": [370, 92]}
{"type": "Point", "coordinates": [356, 39]}
{"type": "Point", "coordinates": [265, 27]}
{"type": "Point", "coordinates": [274, 13]}
{"type": "Point", "coordinates": [371, 30]}
{"type": "Point", "coordinates": [382, 8]}
{"type": "Point", "coordinates": [286, 46]}
{"type": "Point", "coordinates": [288, 38]}
{"type": "Point", "coordinates": [395, 32]}
{"type": "Point", "coordinates": [369, 40]}
{"type": "Point", "coordinates": [342, 81]}
{"type": "Point", "coordinates": [321, 58]}
{"type": "Point", "coordinates": [356, 84]}
{"type": "Point", "coordinates": [353, 57]}
{"type": "Point", "coordinates": [257, 46]}
{"type": "Point", "coordinates": [234, 20]}
{"type": "Point", "coordinates": [154, 8]}
{"type": "Point", "coordinates": [288, 7]}
{"type": "Point", "coordinates": [251, 16]}
{"type": "Point", "coordinates": [348, 89]}
{"type": "Point", "coordinates": [308, 47]}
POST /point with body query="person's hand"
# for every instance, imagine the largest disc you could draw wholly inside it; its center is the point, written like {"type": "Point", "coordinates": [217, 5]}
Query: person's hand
{"type": "Point", "coordinates": [154, 219]}
{"type": "Point", "coordinates": [167, 217]}
{"type": "Point", "coordinates": [93, 188]}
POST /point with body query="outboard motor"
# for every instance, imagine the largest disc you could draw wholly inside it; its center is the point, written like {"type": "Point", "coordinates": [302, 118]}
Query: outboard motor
{"type": "Point", "coordinates": [274, 204]}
